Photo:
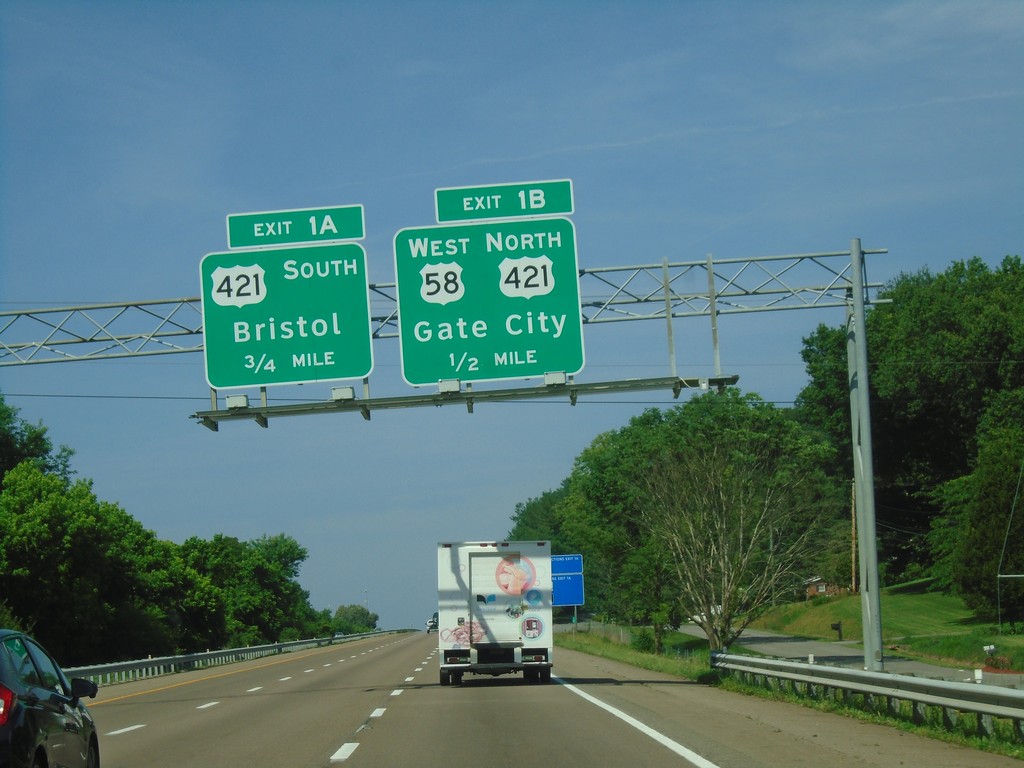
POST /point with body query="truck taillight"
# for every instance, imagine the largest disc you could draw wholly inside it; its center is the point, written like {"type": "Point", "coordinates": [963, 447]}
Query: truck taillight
{"type": "Point", "coordinates": [7, 699]}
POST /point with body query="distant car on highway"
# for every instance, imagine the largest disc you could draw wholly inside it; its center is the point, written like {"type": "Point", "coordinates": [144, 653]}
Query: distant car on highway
{"type": "Point", "coordinates": [43, 721]}
{"type": "Point", "coordinates": [432, 623]}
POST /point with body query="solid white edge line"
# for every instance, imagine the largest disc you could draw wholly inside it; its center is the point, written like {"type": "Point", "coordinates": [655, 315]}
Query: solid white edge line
{"type": "Point", "coordinates": [345, 752]}
{"type": "Point", "coordinates": [675, 746]}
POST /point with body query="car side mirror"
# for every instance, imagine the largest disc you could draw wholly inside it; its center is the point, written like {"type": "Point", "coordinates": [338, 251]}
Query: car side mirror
{"type": "Point", "coordinates": [82, 688]}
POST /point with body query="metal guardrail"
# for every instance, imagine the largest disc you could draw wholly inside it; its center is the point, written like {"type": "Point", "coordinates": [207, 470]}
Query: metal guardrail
{"type": "Point", "coordinates": [126, 671]}
{"type": "Point", "coordinates": [818, 681]}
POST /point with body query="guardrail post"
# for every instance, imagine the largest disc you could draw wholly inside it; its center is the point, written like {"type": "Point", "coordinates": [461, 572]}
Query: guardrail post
{"type": "Point", "coordinates": [920, 713]}
{"type": "Point", "coordinates": [893, 706]}
{"type": "Point", "coordinates": [985, 728]}
{"type": "Point", "coordinates": [949, 718]}
{"type": "Point", "coordinates": [1018, 729]}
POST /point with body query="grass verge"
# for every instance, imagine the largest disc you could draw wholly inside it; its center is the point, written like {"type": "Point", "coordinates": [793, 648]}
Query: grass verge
{"type": "Point", "coordinates": [686, 657]}
{"type": "Point", "coordinates": [916, 623]}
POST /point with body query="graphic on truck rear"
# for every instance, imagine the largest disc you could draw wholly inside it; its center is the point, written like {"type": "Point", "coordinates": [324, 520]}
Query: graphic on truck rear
{"type": "Point", "coordinates": [515, 575]}
{"type": "Point", "coordinates": [462, 636]}
{"type": "Point", "coordinates": [502, 588]}
{"type": "Point", "coordinates": [505, 598]}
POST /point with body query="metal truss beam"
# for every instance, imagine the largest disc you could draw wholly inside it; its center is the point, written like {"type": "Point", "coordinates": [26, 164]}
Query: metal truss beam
{"type": "Point", "coordinates": [101, 331]}
{"type": "Point", "coordinates": [707, 287]}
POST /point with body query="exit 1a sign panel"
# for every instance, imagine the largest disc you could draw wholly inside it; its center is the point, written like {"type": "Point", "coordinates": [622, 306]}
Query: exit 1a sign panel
{"type": "Point", "coordinates": [286, 315]}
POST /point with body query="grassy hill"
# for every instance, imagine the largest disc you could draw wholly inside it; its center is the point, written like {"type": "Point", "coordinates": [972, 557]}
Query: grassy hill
{"type": "Point", "coordinates": [915, 622]}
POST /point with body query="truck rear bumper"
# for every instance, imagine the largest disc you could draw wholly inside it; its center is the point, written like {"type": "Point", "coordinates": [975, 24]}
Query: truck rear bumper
{"type": "Point", "coordinates": [496, 668]}
{"type": "Point", "coordinates": [533, 662]}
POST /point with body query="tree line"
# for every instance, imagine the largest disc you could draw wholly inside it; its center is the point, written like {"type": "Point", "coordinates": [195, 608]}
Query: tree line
{"type": "Point", "coordinates": [725, 505]}
{"type": "Point", "coordinates": [94, 585]}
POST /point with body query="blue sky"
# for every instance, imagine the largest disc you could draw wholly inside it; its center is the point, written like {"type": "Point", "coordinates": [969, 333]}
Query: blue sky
{"type": "Point", "coordinates": [128, 131]}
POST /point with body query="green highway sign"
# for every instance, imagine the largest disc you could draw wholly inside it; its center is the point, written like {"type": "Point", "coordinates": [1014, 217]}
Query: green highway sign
{"type": "Point", "coordinates": [488, 301]}
{"type": "Point", "coordinates": [286, 315]}
{"type": "Point", "coordinates": [500, 201]}
{"type": "Point", "coordinates": [303, 225]}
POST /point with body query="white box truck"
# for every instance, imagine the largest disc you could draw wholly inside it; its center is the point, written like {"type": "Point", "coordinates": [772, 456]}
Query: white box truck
{"type": "Point", "coordinates": [494, 609]}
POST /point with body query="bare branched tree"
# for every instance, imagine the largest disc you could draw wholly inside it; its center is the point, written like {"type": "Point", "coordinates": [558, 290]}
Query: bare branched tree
{"type": "Point", "coordinates": [736, 509]}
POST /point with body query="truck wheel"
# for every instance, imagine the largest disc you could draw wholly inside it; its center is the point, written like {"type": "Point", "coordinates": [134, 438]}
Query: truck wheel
{"type": "Point", "coordinates": [446, 678]}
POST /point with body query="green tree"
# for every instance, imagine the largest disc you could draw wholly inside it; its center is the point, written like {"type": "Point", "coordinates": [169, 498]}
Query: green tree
{"type": "Point", "coordinates": [21, 441]}
{"type": "Point", "coordinates": [263, 602]}
{"type": "Point", "coordinates": [537, 519]}
{"type": "Point", "coordinates": [9, 621]}
{"type": "Point", "coordinates": [72, 561]}
{"type": "Point", "coordinates": [825, 403]}
{"type": "Point", "coordinates": [354, 619]}
{"type": "Point", "coordinates": [321, 624]}
{"type": "Point", "coordinates": [626, 577]}
{"type": "Point", "coordinates": [938, 353]}
{"type": "Point", "coordinates": [980, 535]}
{"type": "Point", "coordinates": [734, 497]}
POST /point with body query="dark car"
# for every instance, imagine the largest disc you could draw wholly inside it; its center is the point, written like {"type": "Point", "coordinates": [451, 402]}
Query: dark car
{"type": "Point", "coordinates": [43, 721]}
{"type": "Point", "coordinates": [432, 623]}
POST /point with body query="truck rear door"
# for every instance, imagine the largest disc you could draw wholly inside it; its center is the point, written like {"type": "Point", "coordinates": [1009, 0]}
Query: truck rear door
{"type": "Point", "coordinates": [499, 586]}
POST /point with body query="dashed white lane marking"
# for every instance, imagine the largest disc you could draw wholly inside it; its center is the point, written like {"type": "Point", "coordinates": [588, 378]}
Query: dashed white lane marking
{"type": "Point", "coordinates": [208, 705]}
{"type": "Point", "coordinates": [379, 712]}
{"type": "Point", "coordinates": [418, 669]}
{"type": "Point", "coordinates": [307, 671]}
{"type": "Point", "coordinates": [345, 752]}
{"type": "Point", "coordinates": [283, 679]}
{"type": "Point", "coordinates": [397, 692]}
{"type": "Point", "coordinates": [126, 730]}
{"type": "Point", "coordinates": [409, 679]}
{"type": "Point", "coordinates": [675, 746]}
{"type": "Point", "coordinates": [257, 688]}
